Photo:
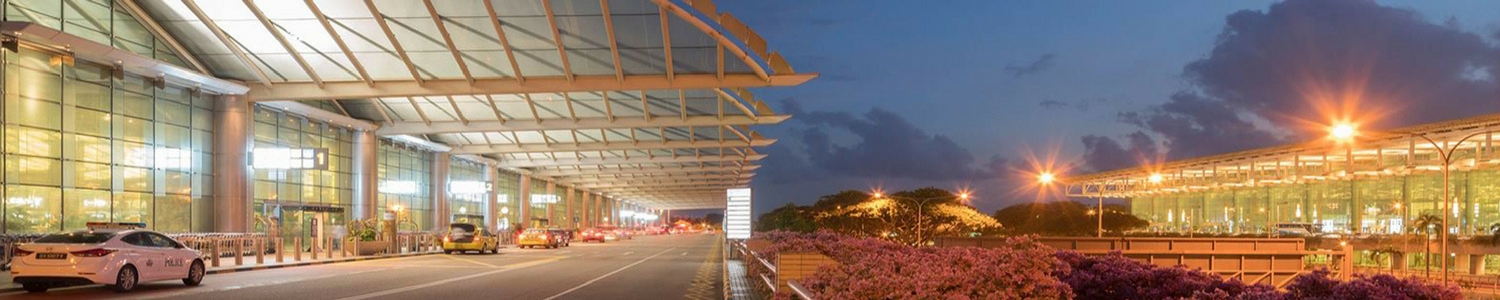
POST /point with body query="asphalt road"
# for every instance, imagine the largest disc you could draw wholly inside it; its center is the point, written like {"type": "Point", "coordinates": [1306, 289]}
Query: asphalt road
{"type": "Point", "coordinates": [647, 267]}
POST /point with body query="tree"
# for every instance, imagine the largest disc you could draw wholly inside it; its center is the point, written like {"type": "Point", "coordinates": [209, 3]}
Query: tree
{"type": "Point", "coordinates": [714, 219]}
{"type": "Point", "coordinates": [1426, 225]}
{"type": "Point", "coordinates": [1065, 218]}
{"type": "Point", "coordinates": [786, 218]}
{"type": "Point", "coordinates": [900, 217]}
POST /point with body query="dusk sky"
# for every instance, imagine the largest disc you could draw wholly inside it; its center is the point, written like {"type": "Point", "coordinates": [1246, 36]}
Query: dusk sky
{"type": "Point", "coordinates": [956, 94]}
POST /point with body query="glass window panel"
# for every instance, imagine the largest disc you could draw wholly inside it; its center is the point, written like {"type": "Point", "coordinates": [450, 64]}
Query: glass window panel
{"type": "Point", "coordinates": [90, 175]}
{"type": "Point", "coordinates": [81, 206]}
{"type": "Point", "coordinates": [33, 209]}
{"type": "Point", "coordinates": [133, 207]}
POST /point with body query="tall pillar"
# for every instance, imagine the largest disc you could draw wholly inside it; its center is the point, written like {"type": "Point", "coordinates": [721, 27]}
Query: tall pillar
{"type": "Point", "coordinates": [233, 137]}
{"type": "Point", "coordinates": [523, 205]}
{"type": "Point", "coordinates": [1476, 264]}
{"type": "Point", "coordinates": [492, 205]}
{"type": "Point", "coordinates": [570, 209]}
{"type": "Point", "coordinates": [365, 178]}
{"type": "Point", "coordinates": [441, 217]}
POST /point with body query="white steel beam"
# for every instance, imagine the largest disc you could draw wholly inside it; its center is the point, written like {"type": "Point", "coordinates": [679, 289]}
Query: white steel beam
{"type": "Point", "coordinates": [561, 161]}
{"type": "Point", "coordinates": [549, 84]}
{"type": "Point", "coordinates": [600, 146]}
{"type": "Point", "coordinates": [600, 185]}
{"type": "Point", "coordinates": [641, 170]}
{"type": "Point", "coordinates": [565, 124]}
{"type": "Point", "coordinates": [586, 179]}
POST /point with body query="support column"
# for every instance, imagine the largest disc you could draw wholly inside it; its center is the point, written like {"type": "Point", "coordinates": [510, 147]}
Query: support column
{"type": "Point", "coordinates": [523, 205]}
{"type": "Point", "coordinates": [365, 179]}
{"type": "Point", "coordinates": [492, 204]}
{"type": "Point", "coordinates": [439, 188]}
{"type": "Point", "coordinates": [1398, 261]}
{"type": "Point", "coordinates": [233, 138]}
{"type": "Point", "coordinates": [1476, 264]}
{"type": "Point", "coordinates": [571, 208]}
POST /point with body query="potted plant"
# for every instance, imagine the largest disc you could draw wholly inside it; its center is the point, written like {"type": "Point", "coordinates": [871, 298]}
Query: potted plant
{"type": "Point", "coordinates": [365, 238]}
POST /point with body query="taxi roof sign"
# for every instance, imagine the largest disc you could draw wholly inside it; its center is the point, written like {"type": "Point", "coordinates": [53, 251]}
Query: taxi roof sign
{"type": "Point", "coordinates": [115, 225]}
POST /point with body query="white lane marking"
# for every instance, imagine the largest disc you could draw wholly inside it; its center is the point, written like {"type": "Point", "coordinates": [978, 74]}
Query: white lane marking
{"type": "Point", "coordinates": [683, 254]}
{"type": "Point", "coordinates": [470, 260]}
{"type": "Point", "coordinates": [452, 280]}
{"type": "Point", "coordinates": [607, 274]}
{"type": "Point", "coordinates": [628, 253]}
{"type": "Point", "coordinates": [260, 284]}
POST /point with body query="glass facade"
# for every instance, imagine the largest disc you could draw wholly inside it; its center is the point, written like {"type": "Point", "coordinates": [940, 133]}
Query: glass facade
{"type": "Point", "coordinates": [539, 210]}
{"type": "Point", "coordinates": [82, 146]}
{"type": "Point", "coordinates": [100, 21]}
{"type": "Point", "coordinates": [509, 198]}
{"type": "Point", "coordinates": [1385, 204]}
{"type": "Point", "coordinates": [294, 198]}
{"type": "Point", "coordinates": [404, 179]}
{"type": "Point", "coordinates": [467, 206]}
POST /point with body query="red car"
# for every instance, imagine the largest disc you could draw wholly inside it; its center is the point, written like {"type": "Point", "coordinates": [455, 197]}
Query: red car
{"type": "Point", "coordinates": [600, 235]}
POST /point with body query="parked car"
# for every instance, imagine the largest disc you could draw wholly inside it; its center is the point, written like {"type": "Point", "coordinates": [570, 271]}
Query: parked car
{"type": "Point", "coordinates": [598, 234]}
{"type": "Point", "coordinates": [565, 235]}
{"type": "Point", "coordinates": [120, 256]}
{"type": "Point", "coordinates": [538, 237]}
{"type": "Point", "coordinates": [467, 237]}
{"type": "Point", "coordinates": [620, 233]}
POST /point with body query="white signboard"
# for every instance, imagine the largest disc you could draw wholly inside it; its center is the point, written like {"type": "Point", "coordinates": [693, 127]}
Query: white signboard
{"type": "Point", "coordinates": [737, 215]}
{"type": "Point", "coordinates": [398, 187]}
{"type": "Point", "coordinates": [543, 199]}
{"type": "Point", "coordinates": [289, 158]}
{"type": "Point", "coordinates": [468, 187]}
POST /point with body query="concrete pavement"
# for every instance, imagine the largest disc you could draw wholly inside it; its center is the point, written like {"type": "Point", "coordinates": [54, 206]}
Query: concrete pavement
{"type": "Point", "coordinates": [647, 267]}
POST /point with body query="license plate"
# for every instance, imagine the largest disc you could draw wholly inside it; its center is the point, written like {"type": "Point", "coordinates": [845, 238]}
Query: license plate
{"type": "Point", "coordinates": [52, 256]}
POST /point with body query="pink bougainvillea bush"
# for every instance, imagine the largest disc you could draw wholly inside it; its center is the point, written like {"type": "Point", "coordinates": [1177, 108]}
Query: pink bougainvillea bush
{"type": "Point", "coordinates": [875, 269]}
{"type": "Point", "coordinates": [1117, 277]}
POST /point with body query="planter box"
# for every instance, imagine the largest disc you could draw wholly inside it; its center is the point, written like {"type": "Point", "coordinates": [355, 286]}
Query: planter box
{"type": "Point", "coordinates": [369, 247]}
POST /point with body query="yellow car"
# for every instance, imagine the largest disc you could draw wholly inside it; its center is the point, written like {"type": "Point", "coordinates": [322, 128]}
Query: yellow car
{"type": "Point", "coordinates": [467, 237]}
{"type": "Point", "coordinates": [539, 237]}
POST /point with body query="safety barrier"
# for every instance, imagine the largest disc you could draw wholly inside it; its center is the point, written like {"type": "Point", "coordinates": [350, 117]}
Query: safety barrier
{"type": "Point", "coordinates": [240, 249]}
{"type": "Point", "coordinates": [786, 271]}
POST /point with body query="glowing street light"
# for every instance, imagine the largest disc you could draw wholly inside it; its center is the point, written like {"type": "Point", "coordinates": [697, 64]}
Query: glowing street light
{"type": "Point", "coordinates": [1155, 178]}
{"type": "Point", "coordinates": [1342, 132]}
{"type": "Point", "coordinates": [1046, 178]}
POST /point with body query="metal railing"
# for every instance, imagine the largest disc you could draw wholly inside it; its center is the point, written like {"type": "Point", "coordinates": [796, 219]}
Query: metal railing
{"type": "Point", "coordinates": [796, 289]}
{"type": "Point", "coordinates": [240, 249]}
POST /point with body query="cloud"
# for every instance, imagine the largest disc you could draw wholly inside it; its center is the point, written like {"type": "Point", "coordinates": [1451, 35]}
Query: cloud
{"type": "Point", "coordinates": [1040, 64]}
{"type": "Point", "coordinates": [1080, 105]}
{"type": "Point", "coordinates": [1301, 63]}
{"type": "Point", "coordinates": [1051, 104]}
{"type": "Point", "coordinates": [1303, 60]}
{"type": "Point", "coordinates": [885, 145]}
{"type": "Point", "coordinates": [1104, 153]}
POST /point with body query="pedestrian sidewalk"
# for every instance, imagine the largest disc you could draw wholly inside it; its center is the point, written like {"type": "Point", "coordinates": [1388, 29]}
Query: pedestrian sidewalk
{"type": "Point", "coordinates": [227, 265]}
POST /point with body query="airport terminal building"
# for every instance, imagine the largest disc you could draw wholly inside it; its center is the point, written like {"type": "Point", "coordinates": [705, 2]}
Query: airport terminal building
{"type": "Point", "coordinates": [1373, 183]}
{"type": "Point", "coordinates": [232, 116]}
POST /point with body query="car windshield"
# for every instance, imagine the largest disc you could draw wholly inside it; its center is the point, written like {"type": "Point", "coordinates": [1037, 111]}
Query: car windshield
{"type": "Point", "coordinates": [80, 237]}
{"type": "Point", "coordinates": [461, 228]}
{"type": "Point", "coordinates": [536, 231]}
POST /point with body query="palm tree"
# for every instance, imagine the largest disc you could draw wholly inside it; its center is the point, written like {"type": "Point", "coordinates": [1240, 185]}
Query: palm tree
{"type": "Point", "coordinates": [1426, 225]}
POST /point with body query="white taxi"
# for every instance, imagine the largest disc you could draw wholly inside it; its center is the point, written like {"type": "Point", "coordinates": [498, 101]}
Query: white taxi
{"type": "Point", "coordinates": [120, 256]}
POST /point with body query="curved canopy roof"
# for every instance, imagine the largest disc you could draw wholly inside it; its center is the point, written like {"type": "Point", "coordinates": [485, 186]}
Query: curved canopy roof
{"type": "Point", "coordinates": [637, 99]}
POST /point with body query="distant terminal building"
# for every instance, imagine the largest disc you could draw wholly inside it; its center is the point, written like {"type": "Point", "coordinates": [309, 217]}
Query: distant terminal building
{"type": "Point", "coordinates": [1369, 183]}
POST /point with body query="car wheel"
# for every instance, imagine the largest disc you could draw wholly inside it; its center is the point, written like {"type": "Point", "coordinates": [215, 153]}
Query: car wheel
{"type": "Point", "coordinates": [35, 287]}
{"type": "Point", "coordinates": [195, 274]}
{"type": "Point", "coordinates": [126, 279]}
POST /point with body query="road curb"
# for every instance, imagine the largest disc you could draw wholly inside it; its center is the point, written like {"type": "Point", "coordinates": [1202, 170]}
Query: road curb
{"type": "Point", "coordinates": [286, 265]}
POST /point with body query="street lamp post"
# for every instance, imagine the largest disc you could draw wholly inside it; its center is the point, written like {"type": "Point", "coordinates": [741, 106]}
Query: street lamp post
{"type": "Point", "coordinates": [1445, 153]}
{"type": "Point", "coordinates": [921, 204]}
{"type": "Point", "coordinates": [1048, 178]}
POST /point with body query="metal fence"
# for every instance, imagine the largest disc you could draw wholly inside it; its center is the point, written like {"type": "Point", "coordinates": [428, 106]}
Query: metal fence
{"type": "Point", "coordinates": [237, 249]}
{"type": "Point", "coordinates": [751, 256]}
